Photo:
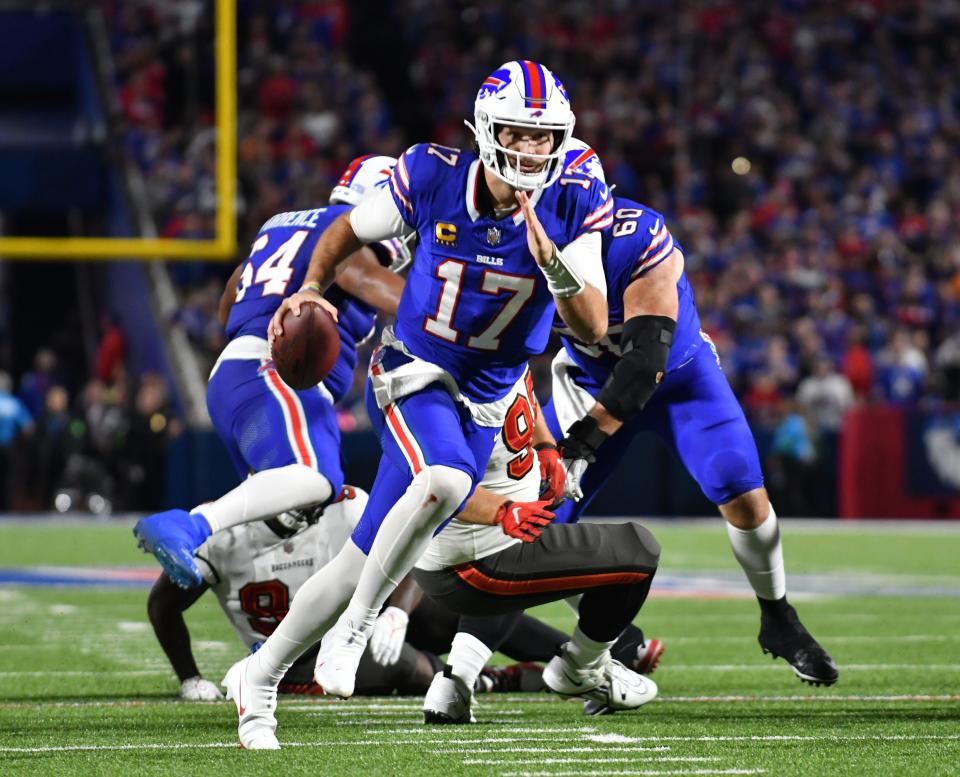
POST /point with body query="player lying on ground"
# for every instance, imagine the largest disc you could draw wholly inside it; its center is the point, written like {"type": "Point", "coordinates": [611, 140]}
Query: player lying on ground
{"type": "Point", "coordinates": [483, 286]}
{"type": "Point", "coordinates": [256, 569]}
{"type": "Point", "coordinates": [656, 371]}
{"type": "Point", "coordinates": [288, 439]}
{"type": "Point", "coordinates": [473, 568]}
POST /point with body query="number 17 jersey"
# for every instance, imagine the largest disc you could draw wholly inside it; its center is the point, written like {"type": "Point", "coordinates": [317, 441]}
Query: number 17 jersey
{"type": "Point", "coordinates": [475, 302]}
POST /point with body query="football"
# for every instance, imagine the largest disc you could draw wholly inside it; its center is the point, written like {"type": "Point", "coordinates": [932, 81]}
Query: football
{"type": "Point", "coordinates": [308, 348]}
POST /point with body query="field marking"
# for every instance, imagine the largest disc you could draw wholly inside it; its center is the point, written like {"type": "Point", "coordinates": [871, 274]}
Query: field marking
{"type": "Point", "coordinates": [635, 772]}
{"type": "Point", "coordinates": [781, 738]}
{"type": "Point", "coordinates": [625, 749]}
{"type": "Point", "coordinates": [602, 738]}
{"type": "Point", "coordinates": [589, 759]}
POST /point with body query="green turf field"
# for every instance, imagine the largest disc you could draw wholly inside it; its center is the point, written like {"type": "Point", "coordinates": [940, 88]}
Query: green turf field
{"type": "Point", "coordinates": [84, 689]}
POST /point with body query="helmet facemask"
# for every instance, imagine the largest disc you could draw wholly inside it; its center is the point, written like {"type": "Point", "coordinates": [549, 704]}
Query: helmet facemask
{"type": "Point", "coordinates": [525, 95]}
{"type": "Point", "coordinates": [506, 163]}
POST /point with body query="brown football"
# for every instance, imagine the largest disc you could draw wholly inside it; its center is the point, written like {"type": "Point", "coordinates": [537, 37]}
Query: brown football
{"type": "Point", "coordinates": [308, 348]}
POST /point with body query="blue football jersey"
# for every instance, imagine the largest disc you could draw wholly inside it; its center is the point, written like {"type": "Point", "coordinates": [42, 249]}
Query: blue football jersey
{"type": "Point", "coordinates": [276, 268]}
{"type": "Point", "coordinates": [638, 241]}
{"type": "Point", "coordinates": [475, 302]}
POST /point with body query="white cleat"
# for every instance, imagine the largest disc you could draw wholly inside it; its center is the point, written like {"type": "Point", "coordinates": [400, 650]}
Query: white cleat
{"type": "Point", "coordinates": [448, 700]}
{"type": "Point", "coordinates": [256, 704]}
{"type": "Point", "coordinates": [339, 657]}
{"type": "Point", "coordinates": [606, 684]}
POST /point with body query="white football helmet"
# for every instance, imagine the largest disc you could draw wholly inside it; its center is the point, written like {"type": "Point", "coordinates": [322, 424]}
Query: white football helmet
{"type": "Point", "coordinates": [364, 175]}
{"type": "Point", "coordinates": [522, 94]}
{"type": "Point", "coordinates": [580, 158]}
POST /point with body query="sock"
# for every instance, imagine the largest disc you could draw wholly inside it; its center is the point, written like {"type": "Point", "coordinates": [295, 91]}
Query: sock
{"type": "Point", "coordinates": [313, 611]}
{"type": "Point", "coordinates": [433, 495]}
{"type": "Point", "coordinates": [584, 651]}
{"type": "Point", "coordinates": [360, 617]}
{"type": "Point", "coordinates": [265, 494]}
{"type": "Point", "coordinates": [468, 656]}
{"type": "Point", "coordinates": [761, 555]}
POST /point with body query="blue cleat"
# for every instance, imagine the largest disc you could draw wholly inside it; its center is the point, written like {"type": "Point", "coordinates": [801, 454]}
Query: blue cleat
{"type": "Point", "coordinates": [173, 537]}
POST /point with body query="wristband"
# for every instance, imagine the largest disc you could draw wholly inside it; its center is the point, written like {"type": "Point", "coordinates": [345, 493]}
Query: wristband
{"type": "Point", "coordinates": [312, 287]}
{"type": "Point", "coordinates": [563, 281]}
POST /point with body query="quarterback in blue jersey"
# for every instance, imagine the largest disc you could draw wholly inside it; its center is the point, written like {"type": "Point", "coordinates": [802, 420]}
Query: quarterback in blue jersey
{"type": "Point", "coordinates": [506, 239]}
{"type": "Point", "coordinates": [656, 371]}
{"type": "Point", "coordinates": [288, 439]}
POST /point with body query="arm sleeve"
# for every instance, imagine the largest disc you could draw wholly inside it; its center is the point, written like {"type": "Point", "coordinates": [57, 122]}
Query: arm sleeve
{"type": "Point", "coordinates": [584, 258]}
{"type": "Point", "coordinates": [378, 218]}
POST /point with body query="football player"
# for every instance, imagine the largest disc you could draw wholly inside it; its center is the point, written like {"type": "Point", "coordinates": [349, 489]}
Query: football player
{"type": "Point", "coordinates": [256, 569]}
{"type": "Point", "coordinates": [288, 439]}
{"type": "Point", "coordinates": [655, 370]}
{"type": "Point", "coordinates": [488, 274]}
{"type": "Point", "coordinates": [474, 569]}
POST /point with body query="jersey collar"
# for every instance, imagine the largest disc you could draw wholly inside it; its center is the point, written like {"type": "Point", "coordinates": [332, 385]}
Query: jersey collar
{"type": "Point", "coordinates": [473, 181]}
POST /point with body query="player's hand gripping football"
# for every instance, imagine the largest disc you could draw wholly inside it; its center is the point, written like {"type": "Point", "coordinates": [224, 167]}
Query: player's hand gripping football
{"type": "Point", "coordinates": [389, 634]}
{"type": "Point", "coordinates": [524, 520]}
{"type": "Point", "coordinates": [293, 303]}
{"type": "Point", "coordinates": [540, 245]}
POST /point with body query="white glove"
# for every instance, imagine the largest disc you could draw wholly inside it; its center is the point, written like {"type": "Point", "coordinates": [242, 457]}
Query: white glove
{"type": "Point", "coordinates": [198, 689]}
{"type": "Point", "coordinates": [574, 469]}
{"type": "Point", "coordinates": [389, 634]}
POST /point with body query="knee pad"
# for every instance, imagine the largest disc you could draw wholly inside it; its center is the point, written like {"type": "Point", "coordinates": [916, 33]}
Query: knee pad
{"type": "Point", "coordinates": [447, 486]}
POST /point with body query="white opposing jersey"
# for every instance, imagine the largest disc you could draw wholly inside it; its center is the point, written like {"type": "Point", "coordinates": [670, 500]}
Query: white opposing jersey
{"type": "Point", "coordinates": [512, 472]}
{"type": "Point", "coordinates": [255, 573]}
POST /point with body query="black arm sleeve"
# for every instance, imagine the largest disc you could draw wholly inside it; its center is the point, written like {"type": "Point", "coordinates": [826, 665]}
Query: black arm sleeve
{"type": "Point", "coordinates": [646, 344]}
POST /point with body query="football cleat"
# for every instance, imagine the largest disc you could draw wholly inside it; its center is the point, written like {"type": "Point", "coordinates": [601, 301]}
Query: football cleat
{"type": "Point", "coordinates": [605, 681]}
{"type": "Point", "coordinates": [648, 656]}
{"type": "Point", "coordinates": [448, 700]}
{"type": "Point", "coordinates": [339, 656]}
{"type": "Point", "coordinates": [256, 704]}
{"type": "Point", "coordinates": [784, 636]}
{"type": "Point", "coordinates": [173, 537]}
{"type": "Point", "coordinates": [526, 677]}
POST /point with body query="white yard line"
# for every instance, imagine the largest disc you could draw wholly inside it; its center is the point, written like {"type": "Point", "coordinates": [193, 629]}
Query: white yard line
{"type": "Point", "coordinates": [558, 749]}
{"type": "Point", "coordinates": [580, 772]}
{"type": "Point", "coordinates": [779, 738]}
{"type": "Point", "coordinates": [590, 759]}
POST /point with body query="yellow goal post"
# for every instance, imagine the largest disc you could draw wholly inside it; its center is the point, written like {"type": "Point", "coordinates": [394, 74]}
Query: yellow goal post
{"type": "Point", "coordinates": [224, 244]}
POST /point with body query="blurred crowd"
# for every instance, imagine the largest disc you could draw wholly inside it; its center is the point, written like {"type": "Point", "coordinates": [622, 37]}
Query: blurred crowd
{"type": "Point", "coordinates": [803, 152]}
{"type": "Point", "coordinates": [97, 447]}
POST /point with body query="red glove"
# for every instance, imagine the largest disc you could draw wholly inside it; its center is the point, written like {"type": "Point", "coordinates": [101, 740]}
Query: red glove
{"type": "Point", "coordinates": [524, 520]}
{"type": "Point", "coordinates": [552, 475]}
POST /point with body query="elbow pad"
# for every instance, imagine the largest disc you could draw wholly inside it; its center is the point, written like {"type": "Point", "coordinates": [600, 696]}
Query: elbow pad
{"type": "Point", "coordinates": [645, 343]}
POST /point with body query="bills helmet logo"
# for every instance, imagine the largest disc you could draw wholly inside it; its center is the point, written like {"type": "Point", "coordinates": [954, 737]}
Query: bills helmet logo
{"type": "Point", "coordinates": [494, 83]}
